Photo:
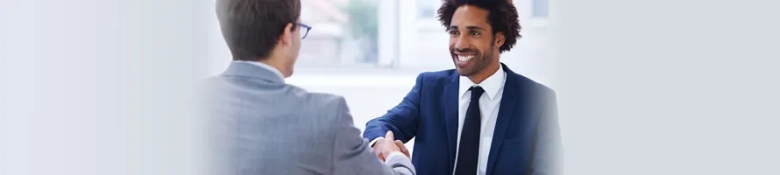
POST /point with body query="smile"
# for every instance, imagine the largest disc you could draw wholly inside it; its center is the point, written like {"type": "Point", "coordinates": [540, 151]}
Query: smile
{"type": "Point", "coordinates": [463, 58]}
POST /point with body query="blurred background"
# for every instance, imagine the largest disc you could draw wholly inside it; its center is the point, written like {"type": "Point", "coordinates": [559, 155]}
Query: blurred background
{"type": "Point", "coordinates": [370, 51]}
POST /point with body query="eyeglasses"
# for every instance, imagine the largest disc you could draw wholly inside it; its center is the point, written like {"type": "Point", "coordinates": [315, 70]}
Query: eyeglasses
{"type": "Point", "coordinates": [304, 30]}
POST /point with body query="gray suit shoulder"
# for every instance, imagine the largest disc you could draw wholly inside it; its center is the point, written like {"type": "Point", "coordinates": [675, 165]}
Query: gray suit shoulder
{"type": "Point", "coordinates": [319, 100]}
{"type": "Point", "coordinates": [326, 106]}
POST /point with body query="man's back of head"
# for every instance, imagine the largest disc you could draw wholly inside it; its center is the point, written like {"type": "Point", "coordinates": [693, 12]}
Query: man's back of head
{"type": "Point", "coordinates": [262, 30]}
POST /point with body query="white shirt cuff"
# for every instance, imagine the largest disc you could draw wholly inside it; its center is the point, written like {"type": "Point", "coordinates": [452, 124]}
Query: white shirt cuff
{"type": "Point", "coordinates": [371, 144]}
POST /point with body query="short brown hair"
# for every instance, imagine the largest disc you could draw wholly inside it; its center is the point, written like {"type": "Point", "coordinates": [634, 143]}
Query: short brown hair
{"type": "Point", "coordinates": [502, 17]}
{"type": "Point", "coordinates": [252, 27]}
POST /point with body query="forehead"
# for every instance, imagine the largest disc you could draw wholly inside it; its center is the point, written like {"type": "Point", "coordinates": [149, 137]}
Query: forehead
{"type": "Point", "coordinates": [469, 15]}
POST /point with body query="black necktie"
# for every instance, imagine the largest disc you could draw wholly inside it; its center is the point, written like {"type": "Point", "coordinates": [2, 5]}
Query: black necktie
{"type": "Point", "coordinates": [468, 151]}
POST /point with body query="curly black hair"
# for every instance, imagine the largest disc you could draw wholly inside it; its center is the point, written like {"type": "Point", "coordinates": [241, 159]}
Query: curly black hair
{"type": "Point", "coordinates": [502, 17]}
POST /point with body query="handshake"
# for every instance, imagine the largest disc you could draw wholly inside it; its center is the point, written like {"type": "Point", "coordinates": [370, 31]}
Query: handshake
{"type": "Point", "coordinates": [385, 146]}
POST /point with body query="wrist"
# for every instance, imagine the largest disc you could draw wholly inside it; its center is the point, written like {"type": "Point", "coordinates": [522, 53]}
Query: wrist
{"type": "Point", "coordinates": [395, 155]}
{"type": "Point", "coordinates": [373, 142]}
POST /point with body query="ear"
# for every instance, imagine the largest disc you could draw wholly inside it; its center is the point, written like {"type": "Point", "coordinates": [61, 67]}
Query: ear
{"type": "Point", "coordinates": [500, 39]}
{"type": "Point", "coordinates": [287, 36]}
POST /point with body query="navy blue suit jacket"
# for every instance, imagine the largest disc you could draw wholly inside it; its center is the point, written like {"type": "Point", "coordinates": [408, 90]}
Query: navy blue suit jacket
{"type": "Point", "coordinates": [526, 138]}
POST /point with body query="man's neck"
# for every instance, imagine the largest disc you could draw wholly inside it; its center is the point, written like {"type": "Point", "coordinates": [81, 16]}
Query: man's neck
{"type": "Point", "coordinates": [484, 73]}
{"type": "Point", "coordinates": [275, 64]}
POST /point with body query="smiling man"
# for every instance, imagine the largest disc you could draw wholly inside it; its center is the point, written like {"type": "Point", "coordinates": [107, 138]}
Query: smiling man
{"type": "Point", "coordinates": [481, 117]}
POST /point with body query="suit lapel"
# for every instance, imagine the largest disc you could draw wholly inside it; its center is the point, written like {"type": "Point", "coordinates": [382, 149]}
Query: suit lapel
{"type": "Point", "coordinates": [505, 114]}
{"type": "Point", "coordinates": [451, 117]}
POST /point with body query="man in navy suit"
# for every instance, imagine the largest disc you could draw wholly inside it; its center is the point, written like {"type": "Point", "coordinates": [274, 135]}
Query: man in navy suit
{"type": "Point", "coordinates": [480, 118]}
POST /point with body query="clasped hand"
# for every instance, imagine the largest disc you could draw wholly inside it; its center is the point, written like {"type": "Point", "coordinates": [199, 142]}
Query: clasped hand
{"type": "Point", "coordinates": [383, 147]}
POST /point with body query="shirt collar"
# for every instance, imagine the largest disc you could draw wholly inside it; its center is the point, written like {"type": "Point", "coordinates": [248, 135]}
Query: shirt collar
{"type": "Point", "coordinates": [266, 66]}
{"type": "Point", "coordinates": [491, 85]}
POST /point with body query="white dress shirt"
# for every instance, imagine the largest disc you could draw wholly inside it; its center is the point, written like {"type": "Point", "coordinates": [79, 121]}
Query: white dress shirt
{"type": "Point", "coordinates": [489, 104]}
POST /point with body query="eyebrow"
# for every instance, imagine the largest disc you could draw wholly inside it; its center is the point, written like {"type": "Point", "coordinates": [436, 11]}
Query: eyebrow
{"type": "Point", "coordinates": [468, 27]}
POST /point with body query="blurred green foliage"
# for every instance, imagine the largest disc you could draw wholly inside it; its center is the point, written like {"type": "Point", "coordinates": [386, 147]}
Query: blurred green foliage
{"type": "Point", "coordinates": [363, 18]}
{"type": "Point", "coordinates": [363, 21]}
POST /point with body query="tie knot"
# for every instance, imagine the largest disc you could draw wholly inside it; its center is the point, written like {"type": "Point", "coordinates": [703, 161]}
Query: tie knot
{"type": "Point", "coordinates": [476, 92]}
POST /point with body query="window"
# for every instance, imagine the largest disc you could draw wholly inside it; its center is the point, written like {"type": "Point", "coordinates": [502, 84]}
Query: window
{"type": "Point", "coordinates": [540, 8]}
{"type": "Point", "coordinates": [426, 9]}
{"type": "Point", "coordinates": [344, 33]}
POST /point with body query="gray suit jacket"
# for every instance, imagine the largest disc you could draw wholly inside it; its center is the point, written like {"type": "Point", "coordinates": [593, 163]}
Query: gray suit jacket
{"type": "Point", "coordinates": [261, 125]}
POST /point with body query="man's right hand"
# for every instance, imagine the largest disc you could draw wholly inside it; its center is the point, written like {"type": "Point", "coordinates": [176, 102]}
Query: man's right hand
{"type": "Point", "coordinates": [383, 147]}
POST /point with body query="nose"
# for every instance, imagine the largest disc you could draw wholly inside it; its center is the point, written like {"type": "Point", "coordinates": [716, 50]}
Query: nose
{"type": "Point", "coordinates": [461, 43]}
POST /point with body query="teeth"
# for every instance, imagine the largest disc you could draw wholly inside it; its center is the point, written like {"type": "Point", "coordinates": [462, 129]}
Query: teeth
{"type": "Point", "coordinates": [465, 58]}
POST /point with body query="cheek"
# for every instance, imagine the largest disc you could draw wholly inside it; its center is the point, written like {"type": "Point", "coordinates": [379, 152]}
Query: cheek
{"type": "Point", "coordinates": [485, 46]}
{"type": "Point", "coordinates": [482, 50]}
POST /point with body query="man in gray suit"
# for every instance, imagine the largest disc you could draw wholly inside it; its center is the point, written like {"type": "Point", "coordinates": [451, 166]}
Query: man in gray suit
{"type": "Point", "coordinates": [261, 125]}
